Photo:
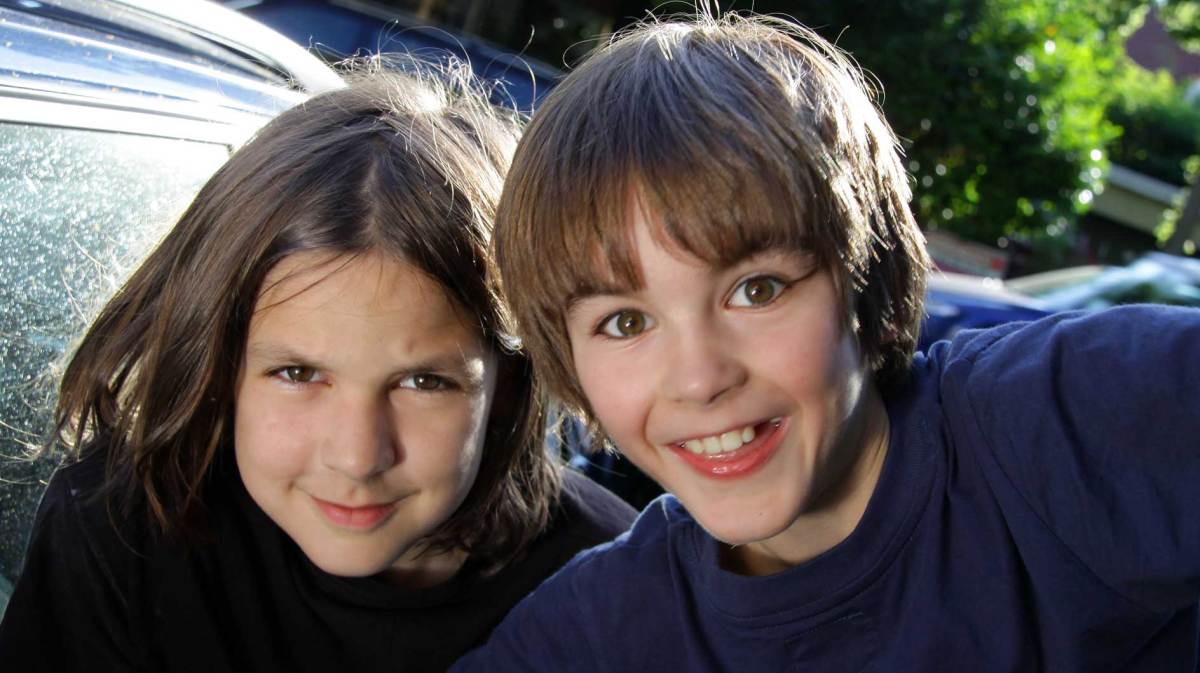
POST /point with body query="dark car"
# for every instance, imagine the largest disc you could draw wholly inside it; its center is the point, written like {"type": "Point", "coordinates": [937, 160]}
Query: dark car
{"type": "Point", "coordinates": [345, 28]}
{"type": "Point", "coordinates": [112, 115]}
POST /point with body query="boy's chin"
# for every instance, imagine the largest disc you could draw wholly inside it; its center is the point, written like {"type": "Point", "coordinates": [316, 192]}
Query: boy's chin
{"type": "Point", "coordinates": [738, 530]}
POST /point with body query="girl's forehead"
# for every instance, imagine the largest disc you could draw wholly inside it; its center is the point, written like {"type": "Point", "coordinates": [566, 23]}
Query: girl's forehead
{"type": "Point", "coordinates": [332, 276]}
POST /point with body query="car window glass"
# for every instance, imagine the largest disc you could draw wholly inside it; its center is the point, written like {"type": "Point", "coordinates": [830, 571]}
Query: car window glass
{"type": "Point", "coordinates": [78, 208]}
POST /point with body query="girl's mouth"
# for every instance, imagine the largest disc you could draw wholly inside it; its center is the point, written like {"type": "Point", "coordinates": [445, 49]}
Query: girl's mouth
{"type": "Point", "coordinates": [355, 518]}
{"type": "Point", "coordinates": [734, 453]}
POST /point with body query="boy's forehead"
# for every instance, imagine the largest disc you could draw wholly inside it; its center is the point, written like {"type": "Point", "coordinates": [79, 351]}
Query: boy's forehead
{"type": "Point", "coordinates": [599, 248]}
{"type": "Point", "coordinates": [618, 270]}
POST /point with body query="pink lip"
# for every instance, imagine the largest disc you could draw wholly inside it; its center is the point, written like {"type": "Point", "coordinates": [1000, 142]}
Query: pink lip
{"type": "Point", "coordinates": [741, 462]}
{"type": "Point", "coordinates": [357, 518]}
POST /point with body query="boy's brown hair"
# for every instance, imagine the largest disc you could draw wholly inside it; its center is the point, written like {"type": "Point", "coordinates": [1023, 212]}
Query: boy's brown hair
{"type": "Point", "coordinates": [739, 134]}
{"type": "Point", "coordinates": [407, 165]}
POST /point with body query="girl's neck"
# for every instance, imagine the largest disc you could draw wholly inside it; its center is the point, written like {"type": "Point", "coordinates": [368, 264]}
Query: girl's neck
{"type": "Point", "coordinates": [425, 570]}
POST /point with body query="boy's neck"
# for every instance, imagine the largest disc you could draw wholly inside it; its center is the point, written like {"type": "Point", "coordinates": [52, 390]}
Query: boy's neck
{"type": "Point", "coordinates": [834, 515]}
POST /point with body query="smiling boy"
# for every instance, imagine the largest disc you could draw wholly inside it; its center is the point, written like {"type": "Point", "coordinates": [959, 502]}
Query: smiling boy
{"type": "Point", "coordinates": [705, 237]}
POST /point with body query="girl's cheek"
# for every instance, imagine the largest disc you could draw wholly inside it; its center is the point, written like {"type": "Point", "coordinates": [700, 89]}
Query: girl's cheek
{"type": "Point", "coordinates": [271, 430]}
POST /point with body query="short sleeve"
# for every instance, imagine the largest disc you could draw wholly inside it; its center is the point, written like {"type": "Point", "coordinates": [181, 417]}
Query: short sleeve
{"type": "Point", "coordinates": [1094, 420]}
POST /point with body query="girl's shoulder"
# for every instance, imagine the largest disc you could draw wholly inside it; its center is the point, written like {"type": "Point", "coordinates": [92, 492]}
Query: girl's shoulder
{"type": "Point", "coordinates": [80, 507]}
{"type": "Point", "coordinates": [591, 511]}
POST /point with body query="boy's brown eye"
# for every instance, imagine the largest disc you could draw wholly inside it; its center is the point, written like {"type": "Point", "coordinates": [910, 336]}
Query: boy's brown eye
{"type": "Point", "coordinates": [758, 291]}
{"type": "Point", "coordinates": [623, 324]}
{"type": "Point", "coordinates": [630, 323]}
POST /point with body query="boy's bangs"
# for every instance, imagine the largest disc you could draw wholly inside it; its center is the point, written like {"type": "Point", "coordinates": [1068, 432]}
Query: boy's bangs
{"type": "Point", "coordinates": [719, 202]}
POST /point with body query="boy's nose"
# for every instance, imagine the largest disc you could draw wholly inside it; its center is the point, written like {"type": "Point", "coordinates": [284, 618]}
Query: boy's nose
{"type": "Point", "coordinates": [361, 440]}
{"type": "Point", "coordinates": [703, 367]}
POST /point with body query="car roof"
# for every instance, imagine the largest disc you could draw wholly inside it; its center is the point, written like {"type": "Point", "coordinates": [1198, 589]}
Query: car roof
{"type": "Point", "coordinates": [346, 27]}
{"type": "Point", "coordinates": [81, 62]}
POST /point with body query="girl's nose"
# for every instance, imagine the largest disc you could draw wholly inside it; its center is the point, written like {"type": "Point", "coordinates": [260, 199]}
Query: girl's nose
{"type": "Point", "coordinates": [361, 442]}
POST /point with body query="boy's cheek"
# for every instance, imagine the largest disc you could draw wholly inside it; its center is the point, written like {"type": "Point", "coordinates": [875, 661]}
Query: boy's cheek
{"type": "Point", "coordinates": [616, 395]}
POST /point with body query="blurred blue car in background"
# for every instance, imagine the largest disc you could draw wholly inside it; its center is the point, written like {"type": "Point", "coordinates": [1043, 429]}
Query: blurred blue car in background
{"type": "Point", "coordinates": [954, 302]}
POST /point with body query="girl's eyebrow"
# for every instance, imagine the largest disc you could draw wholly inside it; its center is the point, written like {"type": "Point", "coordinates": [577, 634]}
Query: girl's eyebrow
{"type": "Point", "coordinates": [445, 362]}
{"type": "Point", "coordinates": [279, 353]}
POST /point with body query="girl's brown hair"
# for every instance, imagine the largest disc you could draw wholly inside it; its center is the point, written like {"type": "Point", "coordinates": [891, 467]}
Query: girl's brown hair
{"type": "Point", "coordinates": [739, 134]}
{"type": "Point", "coordinates": [409, 165]}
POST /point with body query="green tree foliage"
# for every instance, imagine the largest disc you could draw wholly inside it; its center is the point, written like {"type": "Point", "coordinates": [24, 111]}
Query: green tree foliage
{"type": "Point", "coordinates": [1007, 109]}
{"type": "Point", "coordinates": [1182, 19]}
{"type": "Point", "coordinates": [1160, 130]}
{"type": "Point", "coordinates": [1001, 103]}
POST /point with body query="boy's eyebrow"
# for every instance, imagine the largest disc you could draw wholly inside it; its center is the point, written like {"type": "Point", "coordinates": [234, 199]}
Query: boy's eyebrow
{"type": "Point", "coordinates": [601, 288]}
{"type": "Point", "coordinates": [597, 289]}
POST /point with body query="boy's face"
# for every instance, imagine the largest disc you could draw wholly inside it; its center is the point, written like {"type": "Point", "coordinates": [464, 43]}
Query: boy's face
{"type": "Point", "coordinates": [739, 390]}
{"type": "Point", "coordinates": [361, 411]}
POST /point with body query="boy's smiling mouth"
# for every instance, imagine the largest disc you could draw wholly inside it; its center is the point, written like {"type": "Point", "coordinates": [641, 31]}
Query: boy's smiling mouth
{"type": "Point", "coordinates": [733, 453]}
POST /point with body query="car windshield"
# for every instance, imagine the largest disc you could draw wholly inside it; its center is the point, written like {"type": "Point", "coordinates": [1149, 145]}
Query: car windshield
{"type": "Point", "coordinates": [77, 209]}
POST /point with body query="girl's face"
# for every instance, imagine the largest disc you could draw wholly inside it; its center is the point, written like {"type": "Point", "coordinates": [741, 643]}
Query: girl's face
{"type": "Point", "coordinates": [361, 407]}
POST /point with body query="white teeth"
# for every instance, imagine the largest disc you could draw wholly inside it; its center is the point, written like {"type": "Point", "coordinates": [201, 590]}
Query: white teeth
{"type": "Point", "coordinates": [726, 441]}
{"type": "Point", "coordinates": [731, 440]}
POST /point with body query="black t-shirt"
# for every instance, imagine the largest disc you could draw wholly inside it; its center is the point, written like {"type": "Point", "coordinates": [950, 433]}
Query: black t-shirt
{"type": "Point", "coordinates": [92, 598]}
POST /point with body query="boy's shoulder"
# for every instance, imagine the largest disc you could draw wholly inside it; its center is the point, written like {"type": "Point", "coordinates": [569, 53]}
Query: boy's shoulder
{"type": "Point", "coordinates": [1060, 347]}
{"type": "Point", "coordinates": [1097, 379]}
{"type": "Point", "coordinates": [598, 590]}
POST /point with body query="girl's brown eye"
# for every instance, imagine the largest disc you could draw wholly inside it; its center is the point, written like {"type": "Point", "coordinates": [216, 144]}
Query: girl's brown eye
{"type": "Point", "coordinates": [425, 382]}
{"type": "Point", "coordinates": [624, 324]}
{"type": "Point", "coordinates": [757, 291]}
{"type": "Point", "coordinates": [299, 374]}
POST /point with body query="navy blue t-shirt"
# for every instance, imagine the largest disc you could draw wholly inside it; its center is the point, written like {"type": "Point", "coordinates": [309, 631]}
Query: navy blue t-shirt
{"type": "Point", "coordinates": [1038, 510]}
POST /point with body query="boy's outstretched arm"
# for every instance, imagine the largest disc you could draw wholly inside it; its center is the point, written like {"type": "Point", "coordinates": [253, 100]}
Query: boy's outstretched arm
{"type": "Point", "coordinates": [1092, 425]}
